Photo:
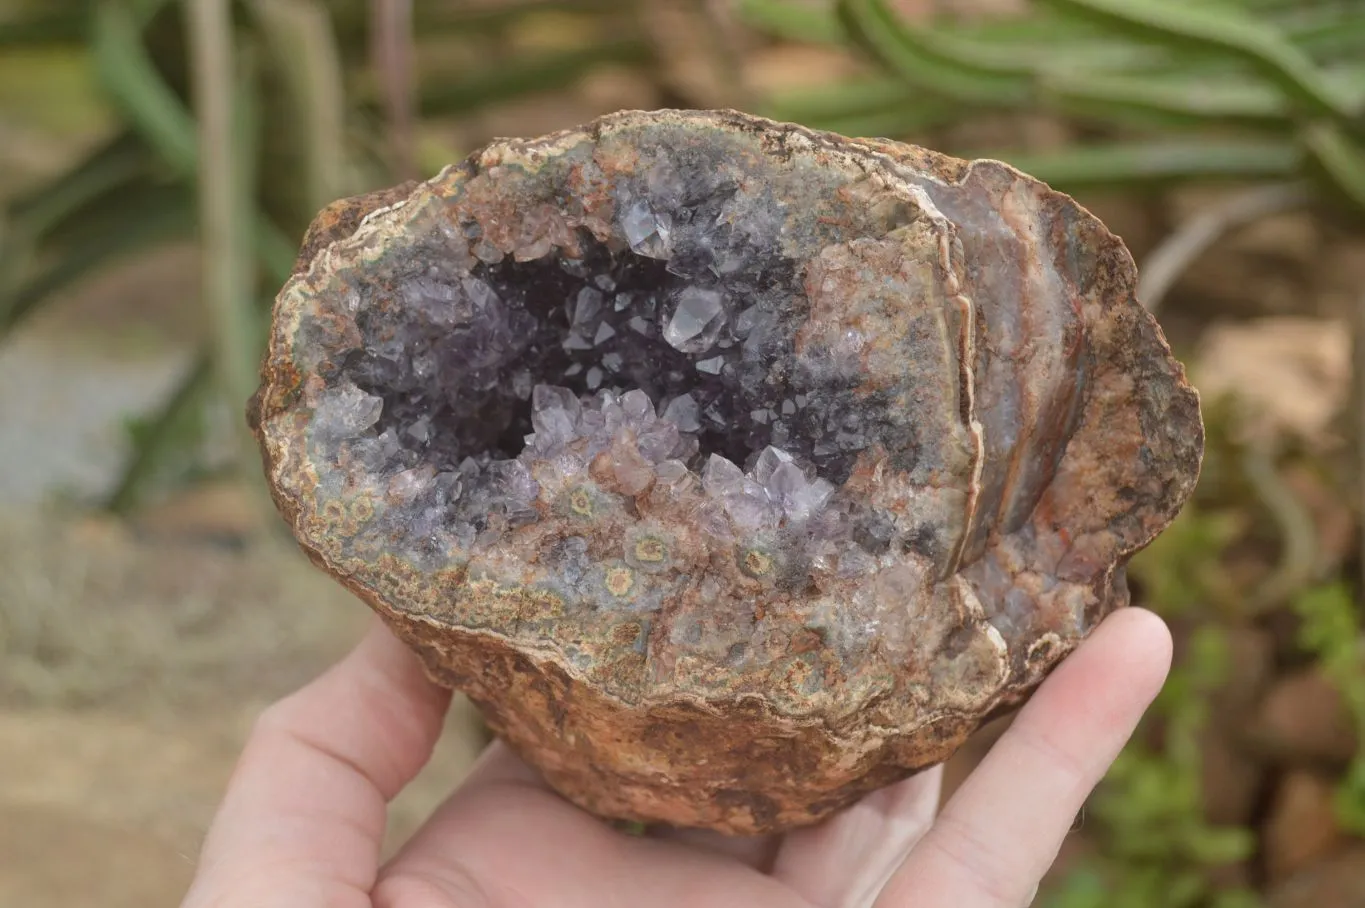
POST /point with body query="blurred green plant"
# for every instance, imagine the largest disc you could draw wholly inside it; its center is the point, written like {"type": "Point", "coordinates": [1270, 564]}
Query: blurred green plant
{"type": "Point", "coordinates": [312, 119]}
{"type": "Point", "coordinates": [1165, 91]}
{"type": "Point", "coordinates": [1330, 630]}
{"type": "Point", "coordinates": [1156, 847]}
{"type": "Point", "coordinates": [1181, 571]}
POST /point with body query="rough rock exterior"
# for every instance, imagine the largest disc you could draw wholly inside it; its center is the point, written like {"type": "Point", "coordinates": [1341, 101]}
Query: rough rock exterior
{"type": "Point", "coordinates": [733, 469]}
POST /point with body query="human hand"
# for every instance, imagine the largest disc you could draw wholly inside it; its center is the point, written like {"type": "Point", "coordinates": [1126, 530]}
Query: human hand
{"type": "Point", "coordinates": [304, 813]}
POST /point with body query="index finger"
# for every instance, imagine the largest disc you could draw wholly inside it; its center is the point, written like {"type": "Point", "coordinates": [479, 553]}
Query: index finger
{"type": "Point", "coordinates": [302, 821]}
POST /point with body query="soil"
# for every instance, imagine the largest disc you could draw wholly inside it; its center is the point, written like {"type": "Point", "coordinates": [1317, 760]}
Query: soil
{"type": "Point", "coordinates": [132, 668]}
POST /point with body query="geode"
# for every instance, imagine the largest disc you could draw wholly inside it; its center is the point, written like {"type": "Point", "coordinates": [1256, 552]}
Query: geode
{"type": "Point", "coordinates": [732, 469]}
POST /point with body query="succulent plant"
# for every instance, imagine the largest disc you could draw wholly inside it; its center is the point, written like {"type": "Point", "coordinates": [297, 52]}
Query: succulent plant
{"type": "Point", "coordinates": [733, 469]}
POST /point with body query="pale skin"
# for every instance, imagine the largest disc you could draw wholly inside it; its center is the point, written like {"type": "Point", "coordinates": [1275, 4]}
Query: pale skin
{"type": "Point", "coordinates": [303, 816]}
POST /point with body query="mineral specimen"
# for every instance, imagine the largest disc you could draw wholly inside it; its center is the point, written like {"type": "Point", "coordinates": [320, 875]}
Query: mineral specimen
{"type": "Point", "coordinates": [733, 469]}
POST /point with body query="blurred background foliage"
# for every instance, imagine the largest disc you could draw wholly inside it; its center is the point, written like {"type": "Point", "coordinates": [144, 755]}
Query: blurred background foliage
{"type": "Point", "coordinates": [1224, 139]}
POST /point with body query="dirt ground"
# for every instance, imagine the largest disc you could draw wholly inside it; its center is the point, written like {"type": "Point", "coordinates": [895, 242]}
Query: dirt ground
{"type": "Point", "coordinates": [134, 662]}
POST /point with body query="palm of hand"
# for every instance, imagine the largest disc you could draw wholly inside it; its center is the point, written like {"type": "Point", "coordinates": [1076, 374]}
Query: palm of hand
{"type": "Point", "coordinates": [303, 817]}
{"type": "Point", "coordinates": [520, 844]}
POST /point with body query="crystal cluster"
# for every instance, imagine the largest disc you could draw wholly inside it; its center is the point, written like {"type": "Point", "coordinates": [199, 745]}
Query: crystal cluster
{"type": "Point", "coordinates": [694, 310]}
{"type": "Point", "coordinates": [671, 350]}
{"type": "Point", "coordinates": [733, 469]}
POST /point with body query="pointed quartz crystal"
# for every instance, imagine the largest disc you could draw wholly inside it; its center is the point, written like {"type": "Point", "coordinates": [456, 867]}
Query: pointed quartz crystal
{"type": "Point", "coordinates": [698, 316]}
{"type": "Point", "coordinates": [647, 233]}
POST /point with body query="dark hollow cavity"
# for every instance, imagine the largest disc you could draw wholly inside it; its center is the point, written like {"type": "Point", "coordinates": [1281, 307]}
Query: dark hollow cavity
{"type": "Point", "coordinates": [455, 354]}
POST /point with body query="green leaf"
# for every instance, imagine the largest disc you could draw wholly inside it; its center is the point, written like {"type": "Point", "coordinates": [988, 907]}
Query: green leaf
{"type": "Point", "coordinates": [1349, 799]}
{"type": "Point", "coordinates": [99, 194]}
{"type": "Point", "coordinates": [1174, 101]}
{"type": "Point", "coordinates": [58, 22]}
{"type": "Point", "coordinates": [920, 62]}
{"type": "Point", "coordinates": [479, 19]}
{"type": "Point", "coordinates": [117, 221]}
{"type": "Point", "coordinates": [154, 216]}
{"type": "Point", "coordinates": [274, 250]}
{"type": "Point", "coordinates": [1068, 40]}
{"type": "Point", "coordinates": [1082, 887]}
{"type": "Point", "coordinates": [521, 76]}
{"type": "Point", "coordinates": [1225, 29]}
{"type": "Point", "coordinates": [113, 211]}
{"type": "Point", "coordinates": [1342, 159]}
{"type": "Point", "coordinates": [1327, 619]}
{"type": "Point", "coordinates": [1324, 31]}
{"type": "Point", "coordinates": [1127, 165]}
{"type": "Point", "coordinates": [1079, 75]}
{"type": "Point", "coordinates": [127, 72]}
{"type": "Point", "coordinates": [848, 98]}
{"type": "Point", "coordinates": [892, 124]}
{"type": "Point", "coordinates": [1016, 48]}
{"type": "Point", "coordinates": [1015, 63]}
{"type": "Point", "coordinates": [1082, 42]}
{"type": "Point", "coordinates": [816, 23]}
{"type": "Point", "coordinates": [1218, 845]}
{"type": "Point", "coordinates": [119, 161]}
{"type": "Point", "coordinates": [867, 107]}
{"type": "Point", "coordinates": [172, 430]}
{"type": "Point", "coordinates": [1236, 898]}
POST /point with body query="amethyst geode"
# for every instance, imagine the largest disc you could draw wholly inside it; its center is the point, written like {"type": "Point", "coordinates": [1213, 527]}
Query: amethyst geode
{"type": "Point", "coordinates": [733, 469]}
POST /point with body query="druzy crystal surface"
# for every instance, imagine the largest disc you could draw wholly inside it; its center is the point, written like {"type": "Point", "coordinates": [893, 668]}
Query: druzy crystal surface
{"type": "Point", "coordinates": [733, 469]}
